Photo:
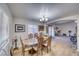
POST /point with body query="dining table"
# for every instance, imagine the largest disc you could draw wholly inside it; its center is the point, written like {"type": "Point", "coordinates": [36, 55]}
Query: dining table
{"type": "Point", "coordinates": [32, 43]}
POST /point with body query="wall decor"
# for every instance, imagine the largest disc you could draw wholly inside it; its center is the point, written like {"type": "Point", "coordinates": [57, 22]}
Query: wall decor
{"type": "Point", "coordinates": [41, 28]}
{"type": "Point", "coordinates": [19, 28]}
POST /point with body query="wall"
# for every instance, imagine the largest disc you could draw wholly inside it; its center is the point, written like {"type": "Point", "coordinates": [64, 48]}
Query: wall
{"type": "Point", "coordinates": [66, 27]}
{"type": "Point", "coordinates": [22, 34]}
{"type": "Point", "coordinates": [5, 46]}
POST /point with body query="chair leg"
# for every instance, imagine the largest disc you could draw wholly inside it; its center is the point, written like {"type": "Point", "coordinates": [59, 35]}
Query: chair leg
{"type": "Point", "coordinates": [42, 52]}
{"type": "Point", "coordinates": [47, 49]}
{"type": "Point", "coordinates": [50, 48]}
{"type": "Point", "coordinates": [23, 53]}
{"type": "Point", "coordinates": [37, 53]}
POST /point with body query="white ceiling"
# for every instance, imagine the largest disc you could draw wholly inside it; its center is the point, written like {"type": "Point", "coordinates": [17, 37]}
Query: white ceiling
{"type": "Point", "coordinates": [34, 11]}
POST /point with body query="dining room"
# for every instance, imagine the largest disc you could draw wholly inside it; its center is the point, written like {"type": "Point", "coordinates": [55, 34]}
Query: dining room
{"type": "Point", "coordinates": [39, 29]}
{"type": "Point", "coordinates": [40, 39]}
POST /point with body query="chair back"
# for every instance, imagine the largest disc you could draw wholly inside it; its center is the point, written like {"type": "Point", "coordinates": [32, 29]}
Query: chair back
{"type": "Point", "coordinates": [35, 35]}
{"type": "Point", "coordinates": [30, 36]}
{"type": "Point", "coordinates": [49, 42]}
{"type": "Point", "coordinates": [11, 51]}
{"type": "Point", "coordinates": [23, 47]}
{"type": "Point", "coordinates": [39, 46]}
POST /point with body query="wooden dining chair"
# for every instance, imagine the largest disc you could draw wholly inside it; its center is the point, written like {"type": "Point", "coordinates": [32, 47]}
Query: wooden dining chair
{"type": "Point", "coordinates": [23, 47]}
{"type": "Point", "coordinates": [39, 46]}
{"type": "Point", "coordinates": [35, 35]}
{"type": "Point", "coordinates": [30, 36]}
{"type": "Point", "coordinates": [11, 51]}
{"type": "Point", "coordinates": [49, 43]}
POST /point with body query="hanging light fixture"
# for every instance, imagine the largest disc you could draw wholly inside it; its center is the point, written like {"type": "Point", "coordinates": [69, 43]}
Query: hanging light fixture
{"type": "Point", "coordinates": [43, 19]}
{"type": "Point", "coordinates": [43, 13]}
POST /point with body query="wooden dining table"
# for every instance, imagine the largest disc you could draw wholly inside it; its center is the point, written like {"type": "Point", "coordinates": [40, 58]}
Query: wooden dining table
{"type": "Point", "coordinates": [32, 43]}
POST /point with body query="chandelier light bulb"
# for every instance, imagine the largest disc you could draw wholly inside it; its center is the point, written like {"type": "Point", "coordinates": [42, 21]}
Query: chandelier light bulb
{"type": "Point", "coordinates": [40, 19]}
{"type": "Point", "coordinates": [43, 18]}
{"type": "Point", "coordinates": [46, 19]}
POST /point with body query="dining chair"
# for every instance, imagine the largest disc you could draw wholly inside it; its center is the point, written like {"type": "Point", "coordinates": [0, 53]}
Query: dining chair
{"type": "Point", "coordinates": [11, 51]}
{"type": "Point", "coordinates": [30, 36]}
{"type": "Point", "coordinates": [23, 47]}
{"type": "Point", "coordinates": [48, 44]}
{"type": "Point", "coordinates": [35, 35]}
{"type": "Point", "coordinates": [39, 46]}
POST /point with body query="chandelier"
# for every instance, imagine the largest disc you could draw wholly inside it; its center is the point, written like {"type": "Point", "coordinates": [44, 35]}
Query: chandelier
{"type": "Point", "coordinates": [43, 19]}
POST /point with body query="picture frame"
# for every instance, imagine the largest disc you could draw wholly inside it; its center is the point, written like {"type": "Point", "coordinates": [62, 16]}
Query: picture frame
{"type": "Point", "coordinates": [19, 28]}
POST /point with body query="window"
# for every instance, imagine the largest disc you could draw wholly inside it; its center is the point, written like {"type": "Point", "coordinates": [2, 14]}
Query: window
{"type": "Point", "coordinates": [51, 31]}
{"type": "Point", "coordinates": [32, 29]}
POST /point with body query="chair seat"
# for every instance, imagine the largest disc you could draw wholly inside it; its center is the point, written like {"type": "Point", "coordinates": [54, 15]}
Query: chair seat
{"type": "Point", "coordinates": [45, 44]}
{"type": "Point", "coordinates": [32, 51]}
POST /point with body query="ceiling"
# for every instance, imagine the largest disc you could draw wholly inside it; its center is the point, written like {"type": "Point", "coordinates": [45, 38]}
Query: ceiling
{"type": "Point", "coordinates": [34, 11]}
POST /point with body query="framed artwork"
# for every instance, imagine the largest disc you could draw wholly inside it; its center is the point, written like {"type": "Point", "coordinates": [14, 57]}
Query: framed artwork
{"type": "Point", "coordinates": [41, 28]}
{"type": "Point", "coordinates": [19, 28]}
